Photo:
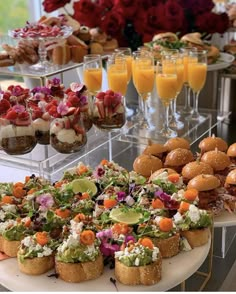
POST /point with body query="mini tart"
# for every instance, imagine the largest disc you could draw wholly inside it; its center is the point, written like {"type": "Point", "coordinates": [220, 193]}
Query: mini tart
{"type": "Point", "coordinates": [197, 237]}
{"type": "Point", "coordinates": [36, 265]}
{"type": "Point", "coordinates": [139, 275]}
{"type": "Point", "coordinates": [81, 271]}
{"type": "Point", "coordinates": [10, 248]}
{"type": "Point", "coordinates": [168, 247]}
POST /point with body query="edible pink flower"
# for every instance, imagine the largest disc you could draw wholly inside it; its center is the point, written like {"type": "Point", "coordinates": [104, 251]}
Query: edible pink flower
{"type": "Point", "coordinates": [108, 249]}
{"type": "Point", "coordinates": [62, 108]}
{"type": "Point", "coordinates": [19, 108]}
{"type": "Point", "coordinates": [46, 201]}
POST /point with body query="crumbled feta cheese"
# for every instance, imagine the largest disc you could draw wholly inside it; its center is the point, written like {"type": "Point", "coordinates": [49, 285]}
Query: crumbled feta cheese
{"type": "Point", "coordinates": [178, 218]}
{"type": "Point", "coordinates": [9, 208]}
{"type": "Point", "coordinates": [194, 213]}
{"type": "Point", "coordinates": [137, 261]}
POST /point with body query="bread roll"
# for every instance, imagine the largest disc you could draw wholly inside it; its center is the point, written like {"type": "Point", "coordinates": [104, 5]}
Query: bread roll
{"type": "Point", "coordinates": [138, 275]}
{"type": "Point", "coordinates": [61, 55]}
{"type": "Point", "coordinates": [196, 237]}
{"type": "Point", "coordinates": [96, 48]}
{"type": "Point", "coordinates": [168, 247]}
{"type": "Point", "coordinates": [11, 248]}
{"type": "Point", "coordinates": [79, 272]}
{"type": "Point", "coordinates": [78, 53]}
{"type": "Point", "coordinates": [35, 266]}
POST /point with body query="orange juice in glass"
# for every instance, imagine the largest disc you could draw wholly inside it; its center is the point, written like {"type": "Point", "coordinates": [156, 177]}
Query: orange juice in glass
{"type": "Point", "coordinates": [197, 73]}
{"type": "Point", "coordinates": [167, 85]}
{"type": "Point", "coordinates": [92, 72]}
{"type": "Point", "coordinates": [126, 51]}
{"type": "Point", "coordinates": [117, 74]}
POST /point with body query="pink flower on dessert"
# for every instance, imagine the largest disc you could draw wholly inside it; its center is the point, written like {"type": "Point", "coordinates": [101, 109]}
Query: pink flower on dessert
{"type": "Point", "coordinates": [62, 109]}
{"type": "Point", "coordinates": [18, 108]}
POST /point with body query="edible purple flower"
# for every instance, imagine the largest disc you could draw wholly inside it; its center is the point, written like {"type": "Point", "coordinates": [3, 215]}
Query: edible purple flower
{"type": "Point", "coordinates": [108, 249]}
{"type": "Point", "coordinates": [56, 81]}
{"type": "Point", "coordinates": [83, 100]}
{"type": "Point", "coordinates": [46, 201]}
{"type": "Point", "coordinates": [162, 195]}
{"type": "Point", "coordinates": [129, 238]}
{"type": "Point", "coordinates": [121, 195]}
{"type": "Point", "coordinates": [62, 108]}
{"type": "Point", "coordinates": [99, 172]}
{"type": "Point", "coordinates": [105, 234]}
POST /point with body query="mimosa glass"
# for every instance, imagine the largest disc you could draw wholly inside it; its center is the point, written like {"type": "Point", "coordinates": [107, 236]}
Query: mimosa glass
{"type": "Point", "coordinates": [92, 73]}
{"type": "Point", "coordinates": [143, 73]}
{"type": "Point", "coordinates": [117, 75]}
{"type": "Point", "coordinates": [167, 54]}
{"type": "Point", "coordinates": [187, 91]}
{"type": "Point", "coordinates": [167, 86]}
{"type": "Point", "coordinates": [197, 72]}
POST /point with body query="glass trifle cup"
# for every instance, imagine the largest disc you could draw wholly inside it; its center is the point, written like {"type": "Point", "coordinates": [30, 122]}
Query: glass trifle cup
{"type": "Point", "coordinates": [67, 132]}
{"type": "Point", "coordinates": [17, 133]}
{"type": "Point", "coordinates": [109, 110]}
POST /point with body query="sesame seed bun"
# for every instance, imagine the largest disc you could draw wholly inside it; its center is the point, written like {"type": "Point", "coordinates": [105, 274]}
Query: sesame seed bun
{"type": "Point", "coordinates": [232, 150]}
{"type": "Point", "coordinates": [155, 149]}
{"type": "Point", "coordinates": [177, 142]}
{"type": "Point", "coordinates": [178, 157]}
{"type": "Point", "coordinates": [218, 160]}
{"type": "Point", "coordinates": [211, 143]}
{"type": "Point", "coordinates": [204, 183]}
{"type": "Point", "coordinates": [146, 164]}
{"type": "Point", "coordinates": [195, 168]}
{"type": "Point", "coordinates": [231, 177]}
{"type": "Point", "coordinates": [165, 36]}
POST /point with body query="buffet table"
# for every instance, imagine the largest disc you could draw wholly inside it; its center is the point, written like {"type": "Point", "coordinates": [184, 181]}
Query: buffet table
{"type": "Point", "coordinates": [175, 270]}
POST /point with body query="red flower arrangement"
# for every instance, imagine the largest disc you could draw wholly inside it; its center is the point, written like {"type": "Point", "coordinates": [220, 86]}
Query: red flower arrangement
{"type": "Point", "coordinates": [134, 22]}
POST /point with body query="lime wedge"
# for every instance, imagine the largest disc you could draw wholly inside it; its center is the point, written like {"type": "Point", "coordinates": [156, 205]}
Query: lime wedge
{"type": "Point", "coordinates": [84, 185]}
{"type": "Point", "coordinates": [129, 217]}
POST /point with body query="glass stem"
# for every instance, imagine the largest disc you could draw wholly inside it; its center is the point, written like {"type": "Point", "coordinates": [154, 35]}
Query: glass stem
{"type": "Point", "coordinates": [145, 109]}
{"type": "Point", "coordinates": [195, 113]}
{"type": "Point", "coordinates": [166, 119]}
{"type": "Point", "coordinates": [42, 52]}
{"type": "Point", "coordinates": [187, 107]}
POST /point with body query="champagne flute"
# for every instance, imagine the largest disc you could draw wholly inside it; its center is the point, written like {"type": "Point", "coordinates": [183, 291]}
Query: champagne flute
{"type": "Point", "coordinates": [167, 86]}
{"type": "Point", "coordinates": [187, 91]}
{"type": "Point", "coordinates": [126, 51]}
{"type": "Point", "coordinates": [92, 73]}
{"type": "Point", "coordinates": [143, 74]}
{"type": "Point", "coordinates": [197, 72]}
{"type": "Point", "coordinates": [117, 73]}
{"type": "Point", "coordinates": [168, 67]}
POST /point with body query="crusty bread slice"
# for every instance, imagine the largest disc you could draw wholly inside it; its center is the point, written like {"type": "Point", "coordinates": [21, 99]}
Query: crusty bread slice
{"type": "Point", "coordinates": [79, 272]}
{"type": "Point", "coordinates": [196, 237]}
{"type": "Point", "coordinates": [1, 243]}
{"type": "Point", "coordinates": [36, 265]}
{"type": "Point", "coordinates": [138, 275]}
{"type": "Point", "coordinates": [168, 247]}
{"type": "Point", "coordinates": [10, 248]}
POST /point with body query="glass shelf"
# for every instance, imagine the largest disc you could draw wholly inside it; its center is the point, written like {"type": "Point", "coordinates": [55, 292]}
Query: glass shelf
{"type": "Point", "coordinates": [119, 146]}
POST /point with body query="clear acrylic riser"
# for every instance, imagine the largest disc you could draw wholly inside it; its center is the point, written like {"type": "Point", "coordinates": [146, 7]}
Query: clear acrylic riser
{"type": "Point", "coordinates": [122, 146]}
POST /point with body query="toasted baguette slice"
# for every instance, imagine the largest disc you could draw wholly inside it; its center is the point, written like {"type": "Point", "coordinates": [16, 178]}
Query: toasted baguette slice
{"type": "Point", "coordinates": [196, 237]}
{"type": "Point", "coordinates": [168, 247]}
{"type": "Point", "coordinates": [138, 275]}
{"type": "Point", "coordinates": [10, 248]}
{"type": "Point", "coordinates": [36, 265]}
{"type": "Point", "coordinates": [80, 272]}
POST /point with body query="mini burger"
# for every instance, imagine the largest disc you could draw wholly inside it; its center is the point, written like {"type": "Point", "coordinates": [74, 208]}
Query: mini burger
{"type": "Point", "coordinates": [156, 149]}
{"type": "Point", "coordinates": [208, 196]}
{"type": "Point", "coordinates": [168, 36]}
{"type": "Point", "coordinates": [231, 152]}
{"type": "Point", "coordinates": [218, 160]}
{"type": "Point", "coordinates": [177, 142]}
{"type": "Point", "coordinates": [177, 158]}
{"type": "Point", "coordinates": [145, 165]}
{"type": "Point", "coordinates": [194, 40]}
{"type": "Point", "coordinates": [211, 143]}
{"type": "Point", "coordinates": [195, 168]}
{"type": "Point", "coordinates": [230, 186]}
